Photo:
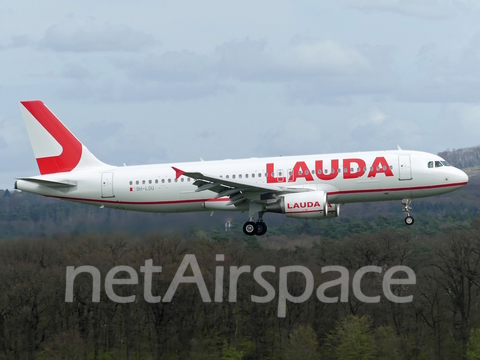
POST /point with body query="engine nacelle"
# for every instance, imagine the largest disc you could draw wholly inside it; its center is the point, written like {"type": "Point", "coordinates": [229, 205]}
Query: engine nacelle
{"type": "Point", "coordinates": [305, 205]}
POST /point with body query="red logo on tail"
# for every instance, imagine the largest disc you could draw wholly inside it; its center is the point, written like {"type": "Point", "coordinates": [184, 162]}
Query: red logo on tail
{"type": "Point", "coordinates": [72, 148]}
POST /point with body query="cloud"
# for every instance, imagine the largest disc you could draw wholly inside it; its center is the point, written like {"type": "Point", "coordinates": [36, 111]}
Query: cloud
{"type": "Point", "coordinates": [444, 75]}
{"type": "Point", "coordinates": [15, 149]}
{"type": "Point", "coordinates": [18, 41]}
{"type": "Point", "coordinates": [71, 36]}
{"type": "Point", "coordinates": [174, 75]}
{"type": "Point", "coordinates": [427, 9]}
{"type": "Point", "coordinates": [383, 132]}
{"type": "Point", "coordinates": [457, 126]}
{"type": "Point", "coordinates": [312, 70]}
{"type": "Point", "coordinates": [293, 136]}
{"type": "Point", "coordinates": [75, 71]}
{"type": "Point", "coordinates": [253, 60]}
{"type": "Point", "coordinates": [115, 143]}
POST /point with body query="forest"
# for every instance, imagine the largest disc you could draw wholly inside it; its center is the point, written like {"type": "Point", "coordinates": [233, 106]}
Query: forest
{"type": "Point", "coordinates": [41, 237]}
{"type": "Point", "coordinates": [442, 321]}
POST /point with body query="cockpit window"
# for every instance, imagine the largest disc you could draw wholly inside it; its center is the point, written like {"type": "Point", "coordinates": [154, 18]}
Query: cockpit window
{"type": "Point", "coordinates": [438, 164]}
{"type": "Point", "coordinates": [445, 163]}
{"type": "Point", "coordinates": [430, 164]}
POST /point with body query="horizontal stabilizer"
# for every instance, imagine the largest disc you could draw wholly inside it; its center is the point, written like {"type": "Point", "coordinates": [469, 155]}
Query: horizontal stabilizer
{"type": "Point", "coordinates": [51, 183]}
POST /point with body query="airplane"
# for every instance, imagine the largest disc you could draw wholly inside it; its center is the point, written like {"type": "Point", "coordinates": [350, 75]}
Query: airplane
{"type": "Point", "coordinates": [301, 187]}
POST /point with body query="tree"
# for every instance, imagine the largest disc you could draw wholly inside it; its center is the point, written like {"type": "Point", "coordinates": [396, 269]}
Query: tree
{"type": "Point", "coordinates": [352, 339]}
{"type": "Point", "coordinates": [302, 344]}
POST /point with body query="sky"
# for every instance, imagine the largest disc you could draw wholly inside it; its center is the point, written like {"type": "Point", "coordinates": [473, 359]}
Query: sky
{"type": "Point", "coordinates": [156, 81]}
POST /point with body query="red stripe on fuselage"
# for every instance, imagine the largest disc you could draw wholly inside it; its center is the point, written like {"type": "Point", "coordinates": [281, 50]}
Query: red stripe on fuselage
{"type": "Point", "coordinates": [174, 202]}
{"type": "Point", "coordinates": [412, 188]}
{"type": "Point", "coordinates": [167, 202]}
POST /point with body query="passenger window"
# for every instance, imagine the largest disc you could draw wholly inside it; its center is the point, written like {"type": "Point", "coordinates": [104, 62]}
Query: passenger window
{"type": "Point", "coordinates": [169, 180]}
{"type": "Point", "coordinates": [176, 180]}
{"type": "Point", "coordinates": [233, 176]}
{"type": "Point", "coordinates": [143, 182]}
{"type": "Point", "coordinates": [182, 179]}
{"type": "Point", "coordinates": [253, 175]}
{"type": "Point", "coordinates": [240, 176]}
{"type": "Point", "coordinates": [246, 176]}
{"type": "Point", "coordinates": [163, 181]}
{"type": "Point", "coordinates": [137, 182]}
{"type": "Point", "coordinates": [149, 181]}
{"type": "Point", "coordinates": [188, 179]}
{"type": "Point", "coordinates": [156, 181]}
{"type": "Point", "coordinates": [300, 172]}
{"type": "Point", "coordinates": [227, 177]}
{"type": "Point", "coordinates": [306, 172]}
{"type": "Point", "coordinates": [319, 171]}
{"type": "Point", "coordinates": [131, 182]}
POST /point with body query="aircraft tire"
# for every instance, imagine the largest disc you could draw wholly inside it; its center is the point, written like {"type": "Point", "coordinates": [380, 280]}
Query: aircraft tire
{"type": "Point", "coordinates": [409, 220]}
{"type": "Point", "coordinates": [261, 228]}
{"type": "Point", "coordinates": [250, 228]}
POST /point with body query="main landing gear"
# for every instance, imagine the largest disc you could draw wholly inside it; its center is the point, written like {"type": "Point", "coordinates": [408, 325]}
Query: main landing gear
{"type": "Point", "coordinates": [254, 228]}
{"type": "Point", "coordinates": [406, 209]}
{"type": "Point", "coordinates": [251, 227]}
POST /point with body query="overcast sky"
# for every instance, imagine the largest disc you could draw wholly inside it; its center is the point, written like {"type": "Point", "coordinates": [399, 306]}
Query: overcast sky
{"type": "Point", "coordinates": [151, 81]}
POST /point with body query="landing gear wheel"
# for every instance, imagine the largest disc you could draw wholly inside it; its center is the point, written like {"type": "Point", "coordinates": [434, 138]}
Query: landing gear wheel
{"type": "Point", "coordinates": [409, 220]}
{"type": "Point", "coordinates": [250, 228]}
{"type": "Point", "coordinates": [261, 228]}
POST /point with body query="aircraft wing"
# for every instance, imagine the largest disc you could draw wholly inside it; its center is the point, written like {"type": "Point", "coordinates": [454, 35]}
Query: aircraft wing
{"type": "Point", "coordinates": [238, 190]}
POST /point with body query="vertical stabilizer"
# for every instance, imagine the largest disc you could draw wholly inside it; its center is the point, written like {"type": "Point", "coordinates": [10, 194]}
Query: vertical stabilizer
{"type": "Point", "coordinates": [55, 147]}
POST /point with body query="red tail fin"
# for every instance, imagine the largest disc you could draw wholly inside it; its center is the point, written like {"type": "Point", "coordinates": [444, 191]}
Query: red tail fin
{"type": "Point", "coordinates": [56, 148]}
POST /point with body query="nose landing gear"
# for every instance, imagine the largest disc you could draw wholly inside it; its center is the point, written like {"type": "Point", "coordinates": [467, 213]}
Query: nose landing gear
{"type": "Point", "coordinates": [409, 220]}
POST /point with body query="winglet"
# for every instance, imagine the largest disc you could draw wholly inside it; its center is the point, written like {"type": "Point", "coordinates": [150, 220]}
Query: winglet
{"type": "Point", "coordinates": [178, 172]}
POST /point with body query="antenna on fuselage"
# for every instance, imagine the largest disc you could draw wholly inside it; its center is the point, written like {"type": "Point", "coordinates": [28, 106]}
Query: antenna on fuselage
{"type": "Point", "coordinates": [399, 148]}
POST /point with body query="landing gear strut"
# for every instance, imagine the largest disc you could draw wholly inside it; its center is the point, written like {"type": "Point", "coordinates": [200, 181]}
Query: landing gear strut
{"type": "Point", "coordinates": [251, 227]}
{"type": "Point", "coordinates": [406, 209]}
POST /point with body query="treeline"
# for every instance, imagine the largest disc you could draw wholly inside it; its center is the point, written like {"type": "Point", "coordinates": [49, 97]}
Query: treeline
{"type": "Point", "coordinates": [462, 158]}
{"type": "Point", "coordinates": [23, 214]}
{"type": "Point", "coordinates": [442, 321]}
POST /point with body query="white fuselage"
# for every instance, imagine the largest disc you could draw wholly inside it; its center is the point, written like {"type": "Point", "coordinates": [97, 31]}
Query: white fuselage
{"type": "Point", "coordinates": [356, 177]}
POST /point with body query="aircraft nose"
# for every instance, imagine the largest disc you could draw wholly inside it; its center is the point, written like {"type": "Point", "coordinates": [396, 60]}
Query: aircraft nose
{"type": "Point", "coordinates": [462, 177]}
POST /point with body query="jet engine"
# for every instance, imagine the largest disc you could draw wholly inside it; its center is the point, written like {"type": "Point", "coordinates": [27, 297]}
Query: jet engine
{"type": "Point", "coordinates": [305, 205]}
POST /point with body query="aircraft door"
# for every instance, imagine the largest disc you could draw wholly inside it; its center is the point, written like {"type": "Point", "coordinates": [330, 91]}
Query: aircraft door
{"type": "Point", "coordinates": [404, 166]}
{"type": "Point", "coordinates": [107, 185]}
